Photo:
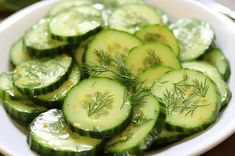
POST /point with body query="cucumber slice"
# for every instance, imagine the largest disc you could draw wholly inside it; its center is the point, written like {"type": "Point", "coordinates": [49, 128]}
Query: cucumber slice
{"type": "Point", "coordinates": [132, 17]}
{"type": "Point", "coordinates": [18, 53]}
{"type": "Point", "coordinates": [216, 57]}
{"type": "Point", "coordinates": [38, 41]}
{"type": "Point", "coordinates": [56, 97]}
{"type": "Point", "coordinates": [109, 42]}
{"type": "Point", "coordinates": [195, 37]}
{"type": "Point", "coordinates": [76, 24]}
{"type": "Point", "coordinates": [49, 135]}
{"type": "Point", "coordinates": [101, 110]}
{"type": "Point", "coordinates": [151, 55]}
{"type": "Point", "coordinates": [145, 127]}
{"type": "Point", "coordinates": [190, 98]}
{"type": "Point", "coordinates": [114, 4]}
{"type": "Point", "coordinates": [40, 76]}
{"type": "Point", "coordinates": [150, 75]}
{"type": "Point", "coordinates": [215, 76]}
{"type": "Point", "coordinates": [22, 111]}
{"type": "Point", "coordinates": [159, 33]}
{"type": "Point", "coordinates": [7, 90]}
{"type": "Point", "coordinates": [64, 5]}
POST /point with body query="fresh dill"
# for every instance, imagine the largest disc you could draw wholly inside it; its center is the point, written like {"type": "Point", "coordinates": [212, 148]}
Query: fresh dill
{"type": "Point", "coordinates": [152, 59]}
{"type": "Point", "coordinates": [201, 88]}
{"type": "Point", "coordinates": [151, 37]}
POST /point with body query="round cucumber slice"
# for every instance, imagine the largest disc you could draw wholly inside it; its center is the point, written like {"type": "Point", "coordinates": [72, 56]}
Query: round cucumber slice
{"type": "Point", "coordinates": [159, 33]}
{"type": "Point", "coordinates": [195, 37]}
{"type": "Point", "coordinates": [40, 76]}
{"type": "Point", "coordinates": [18, 53]}
{"type": "Point", "coordinates": [98, 107]}
{"type": "Point", "coordinates": [132, 17]}
{"type": "Point", "coordinates": [76, 24]}
{"type": "Point", "coordinates": [64, 5]}
{"type": "Point", "coordinates": [49, 135]}
{"type": "Point", "coordinates": [191, 100]}
{"type": "Point", "coordinates": [56, 97]}
{"type": "Point", "coordinates": [151, 55]}
{"type": "Point", "coordinates": [38, 41]}
{"type": "Point", "coordinates": [145, 127]}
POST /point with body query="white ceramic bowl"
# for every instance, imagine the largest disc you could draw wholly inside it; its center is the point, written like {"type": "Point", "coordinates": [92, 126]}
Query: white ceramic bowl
{"type": "Point", "coordinates": [12, 137]}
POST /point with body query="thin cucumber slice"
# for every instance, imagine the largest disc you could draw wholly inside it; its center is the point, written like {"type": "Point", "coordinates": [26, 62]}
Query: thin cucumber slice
{"type": "Point", "coordinates": [40, 76]}
{"type": "Point", "coordinates": [195, 37]}
{"type": "Point", "coordinates": [159, 33]}
{"type": "Point", "coordinates": [23, 111]}
{"type": "Point", "coordinates": [64, 5]}
{"type": "Point", "coordinates": [7, 90]}
{"type": "Point", "coordinates": [101, 110]}
{"type": "Point", "coordinates": [216, 57]}
{"type": "Point", "coordinates": [132, 17]}
{"type": "Point", "coordinates": [109, 42]}
{"type": "Point", "coordinates": [76, 24]}
{"type": "Point", "coordinates": [56, 97]}
{"type": "Point", "coordinates": [191, 100]}
{"type": "Point", "coordinates": [18, 53]}
{"type": "Point", "coordinates": [150, 75]}
{"type": "Point", "coordinates": [215, 76]}
{"type": "Point", "coordinates": [38, 41]}
{"type": "Point", "coordinates": [151, 55]}
{"type": "Point", "coordinates": [49, 135]}
{"type": "Point", "coordinates": [145, 127]}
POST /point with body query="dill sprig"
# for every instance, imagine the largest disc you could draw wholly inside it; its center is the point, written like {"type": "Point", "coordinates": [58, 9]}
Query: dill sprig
{"type": "Point", "coordinates": [151, 37]}
{"type": "Point", "coordinates": [201, 88]}
{"type": "Point", "coordinates": [152, 59]}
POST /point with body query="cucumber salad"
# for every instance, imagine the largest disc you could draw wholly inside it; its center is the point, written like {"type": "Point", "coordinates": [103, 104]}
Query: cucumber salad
{"type": "Point", "coordinates": [113, 77]}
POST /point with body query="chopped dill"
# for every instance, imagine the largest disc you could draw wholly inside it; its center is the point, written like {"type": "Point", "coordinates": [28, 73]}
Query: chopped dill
{"type": "Point", "coordinates": [152, 59]}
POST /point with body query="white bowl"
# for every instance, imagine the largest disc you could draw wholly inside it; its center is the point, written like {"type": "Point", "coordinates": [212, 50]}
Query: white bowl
{"type": "Point", "coordinates": [13, 139]}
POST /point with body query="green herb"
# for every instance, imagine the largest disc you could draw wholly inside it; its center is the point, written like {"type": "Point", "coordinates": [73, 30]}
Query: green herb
{"type": "Point", "coordinates": [151, 37]}
{"type": "Point", "coordinates": [152, 59]}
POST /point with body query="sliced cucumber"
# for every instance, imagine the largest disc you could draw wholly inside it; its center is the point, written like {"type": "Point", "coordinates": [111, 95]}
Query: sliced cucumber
{"type": "Point", "coordinates": [18, 53]}
{"type": "Point", "coordinates": [38, 41]}
{"type": "Point", "coordinates": [159, 33]}
{"type": "Point", "coordinates": [151, 55]}
{"type": "Point", "coordinates": [23, 111]}
{"type": "Point", "coordinates": [190, 98]}
{"type": "Point", "coordinates": [132, 17]}
{"type": "Point", "coordinates": [40, 76]}
{"type": "Point", "coordinates": [215, 76]}
{"type": "Point", "coordinates": [64, 5]}
{"type": "Point", "coordinates": [49, 135]}
{"type": "Point", "coordinates": [76, 24]}
{"type": "Point", "coordinates": [216, 57]}
{"type": "Point", "coordinates": [195, 37]}
{"type": "Point", "coordinates": [98, 107]}
{"type": "Point", "coordinates": [7, 90]}
{"type": "Point", "coordinates": [145, 127]}
{"type": "Point", "coordinates": [150, 75]}
{"type": "Point", "coordinates": [109, 42]}
{"type": "Point", "coordinates": [56, 97]}
{"type": "Point", "coordinates": [114, 4]}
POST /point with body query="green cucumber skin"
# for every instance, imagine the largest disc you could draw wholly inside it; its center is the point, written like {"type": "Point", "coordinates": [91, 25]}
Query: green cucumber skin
{"type": "Point", "coordinates": [148, 140]}
{"type": "Point", "coordinates": [105, 134]}
{"type": "Point", "coordinates": [226, 99]}
{"type": "Point", "coordinates": [23, 118]}
{"type": "Point", "coordinates": [76, 39]}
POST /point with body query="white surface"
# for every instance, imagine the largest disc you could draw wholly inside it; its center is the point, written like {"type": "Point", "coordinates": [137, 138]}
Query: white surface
{"type": "Point", "coordinates": [13, 141]}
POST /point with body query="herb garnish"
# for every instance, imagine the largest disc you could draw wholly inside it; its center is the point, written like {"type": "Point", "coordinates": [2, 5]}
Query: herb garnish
{"type": "Point", "coordinates": [152, 59]}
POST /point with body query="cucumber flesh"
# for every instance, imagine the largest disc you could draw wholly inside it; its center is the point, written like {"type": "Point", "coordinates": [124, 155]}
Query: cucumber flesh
{"type": "Point", "coordinates": [56, 97]}
{"type": "Point", "coordinates": [151, 55]}
{"type": "Point", "coordinates": [49, 135]}
{"type": "Point", "coordinates": [195, 37]}
{"type": "Point", "coordinates": [23, 111]}
{"type": "Point", "coordinates": [38, 41]}
{"type": "Point", "coordinates": [150, 75]}
{"type": "Point", "coordinates": [159, 33]}
{"type": "Point", "coordinates": [18, 53]}
{"type": "Point", "coordinates": [191, 100]}
{"type": "Point", "coordinates": [145, 127]}
{"type": "Point", "coordinates": [133, 17]}
{"type": "Point", "coordinates": [92, 112]}
{"type": "Point", "coordinates": [216, 57]}
{"type": "Point", "coordinates": [80, 50]}
{"type": "Point", "coordinates": [40, 76]}
{"type": "Point", "coordinates": [76, 24]}
{"type": "Point", "coordinates": [215, 76]}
